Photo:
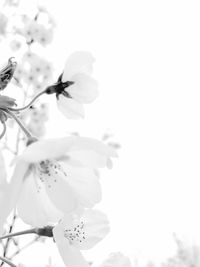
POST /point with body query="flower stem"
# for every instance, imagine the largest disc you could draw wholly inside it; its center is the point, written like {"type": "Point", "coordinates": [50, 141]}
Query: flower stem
{"type": "Point", "coordinates": [45, 231]}
{"type": "Point", "coordinates": [8, 262]}
{"type": "Point", "coordinates": [4, 130]}
{"type": "Point", "coordinates": [24, 247]}
{"type": "Point", "coordinates": [27, 133]}
{"type": "Point", "coordinates": [30, 231]}
{"type": "Point", "coordinates": [29, 104]}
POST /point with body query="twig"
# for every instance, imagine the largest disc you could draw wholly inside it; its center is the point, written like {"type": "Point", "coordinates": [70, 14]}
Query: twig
{"type": "Point", "coordinates": [24, 247]}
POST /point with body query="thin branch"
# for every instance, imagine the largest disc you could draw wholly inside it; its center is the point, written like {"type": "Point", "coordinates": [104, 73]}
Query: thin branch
{"type": "Point", "coordinates": [24, 247]}
{"type": "Point", "coordinates": [7, 261]}
{"type": "Point", "coordinates": [8, 240]}
{"type": "Point", "coordinates": [29, 104]}
{"type": "Point", "coordinates": [27, 133]}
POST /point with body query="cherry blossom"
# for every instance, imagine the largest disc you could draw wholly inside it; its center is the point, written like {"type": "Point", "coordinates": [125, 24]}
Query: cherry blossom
{"type": "Point", "coordinates": [57, 179]}
{"type": "Point", "coordinates": [75, 86]}
{"type": "Point", "coordinates": [74, 233]}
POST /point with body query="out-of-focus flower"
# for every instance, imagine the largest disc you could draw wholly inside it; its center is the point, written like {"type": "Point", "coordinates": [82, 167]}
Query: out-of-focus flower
{"type": "Point", "coordinates": [12, 2]}
{"type": "Point", "coordinates": [34, 31]}
{"type": "Point", "coordinates": [34, 71]}
{"type": "Point", "coordinates": [116, 259]}
{"type": "Point", "coordinates": [17, 43]}
{"type": "Point", "coordinates": [76, 233]}
{"type": "Point", "coordinates": [3, 23]}
{"type": "Point", "coordinates": [188, 254]}
{"type": "Point", "coordinates": [75, 86]}
{"type": "Point", "coordinates": [43, 35]}
{"type": "Point", "coordinates": [58, 180]}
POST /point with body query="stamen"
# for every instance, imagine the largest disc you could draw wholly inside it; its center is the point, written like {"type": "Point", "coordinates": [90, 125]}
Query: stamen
{"type": "Point", "coordinates": [48, 172]}
{"type": "Point", "coordinates": [76, 234]}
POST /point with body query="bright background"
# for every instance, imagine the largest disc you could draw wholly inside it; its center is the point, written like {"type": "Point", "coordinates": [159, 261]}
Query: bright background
{"type": "Point", "coordinates": [147, 64]}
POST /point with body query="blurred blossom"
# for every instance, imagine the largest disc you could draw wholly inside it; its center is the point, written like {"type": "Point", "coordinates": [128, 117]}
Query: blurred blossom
{"type": "Point", "coordinates": [75, 86]}
{"type": "Point", "coordinates": [187, 255]}
{"type": "Point", "coordinates": [34, 71]}
{"type": "Point", "coordinates": [54, 177]}
{"type": "Point", "coordinates": [15, 45]}
{"type": "Point", "coordinates": [75, 233]}
{"type": "Point", "coordinates": [12, 2]}
{"type": "Point", "coordinates": [43, 35]}
{"type": "Point", "coordinates": [34, 31]}
{"type": "Point", "coordinates": [116, 259]}
{"type": "Point", "coordinates": [3, 23]}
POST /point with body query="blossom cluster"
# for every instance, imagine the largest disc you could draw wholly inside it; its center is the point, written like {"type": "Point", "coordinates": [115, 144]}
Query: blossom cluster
{"type": "Point", "coordinates": [54, 184]}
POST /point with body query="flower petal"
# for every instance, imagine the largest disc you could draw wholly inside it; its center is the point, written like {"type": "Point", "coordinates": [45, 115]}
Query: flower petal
{"type": "Point", "coordinates": [87, 158]}
{"type": "Point", "coordinates": [85, 184]}
{"type": "Point", "coordinates": [96, 227]}
{"type": "Point", "coordinates": [84, 89]}
{"type": "Point", "coordinates": [70, 108]}
{"type": "Point", "coordinates": [34, 206]}
{"type": "Point", "coordinates": [59, 191]}
{"type": "Point", "coordinates": [86, 229]}
{"type": "Point", "coordinates": [71, 256]}
{"type": "Point", "coordinates": [12, 191]}
{"type": "Point", "coordinates": [2, 170]}
{"type": "Point", "coordinates": [78, 62]}
{"type": "Point", "coordinates": [58, 147]}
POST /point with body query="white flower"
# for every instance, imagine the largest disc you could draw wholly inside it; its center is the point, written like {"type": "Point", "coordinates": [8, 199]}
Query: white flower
{"type": "Point", "coordinates": [50, 186]}
{"type": "Point", "coordinates": [76, 233]}
{"type": "Point", "coordinates": [43, 35]}
{"type": "Point", "coordinates": [75, 86]}
{"type": "Point", "coordinates": [116, 259]}
{"type": "Point", "coordinates": [3, 193]}
{"type": "Point", "coordinates": [29, 30]}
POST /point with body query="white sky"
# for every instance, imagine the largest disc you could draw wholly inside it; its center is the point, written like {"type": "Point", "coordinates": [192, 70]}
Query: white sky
{"type": "Point", "coordinates": [147, 64]}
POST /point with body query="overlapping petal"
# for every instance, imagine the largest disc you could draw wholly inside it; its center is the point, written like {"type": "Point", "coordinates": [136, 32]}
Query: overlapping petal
{"type": "Point", "coordinates": [86, 230]}
{"type": "Point", "coordinates": [70, 107]}
{"type": "Point", "coordinates": [85, 184]}
{"type": "Point", "coordinates": [75, 85]}
{"type": "Point", "coordinates": [76, 232]}
{"type": "Point", "coordinates": [34, 206]}
{"type": "Point", "coordinates": [84, 89]}
{"type": "Point", "coordinates": [77, 62]}
{"type": "Point", "coordinates": [71, 256]}
{"type": "Point", "coordinates": [54, 183]}
{"type": "Point", "coordinates": [87, 151]}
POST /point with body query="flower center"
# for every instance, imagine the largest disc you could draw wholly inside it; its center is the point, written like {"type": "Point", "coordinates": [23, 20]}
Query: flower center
{"type": "Point", "coordinates": [49, 172]}
{"type": "Point", "coordinates": [59, 88]}
{"type": "Point", "coordinates": [76, 234]}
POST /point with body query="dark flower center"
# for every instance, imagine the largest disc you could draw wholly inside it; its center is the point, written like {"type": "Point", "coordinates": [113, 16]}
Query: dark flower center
{"type": "Point", "coordinates": [59, 88]}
